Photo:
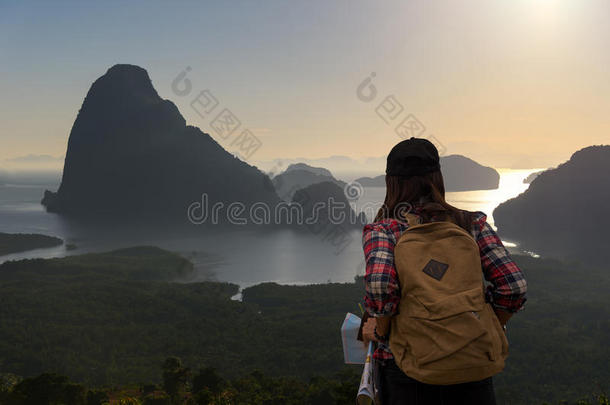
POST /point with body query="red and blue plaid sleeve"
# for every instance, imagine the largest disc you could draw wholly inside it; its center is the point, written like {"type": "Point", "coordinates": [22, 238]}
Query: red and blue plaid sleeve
{"type": "Point", "coordinates": [508, 285]}
{"type": "Point", "coordinates": [381, 280]}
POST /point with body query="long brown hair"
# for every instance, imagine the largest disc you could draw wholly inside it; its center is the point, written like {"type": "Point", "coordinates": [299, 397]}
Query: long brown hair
{"type": "Point", "coordinates": [403, 193]}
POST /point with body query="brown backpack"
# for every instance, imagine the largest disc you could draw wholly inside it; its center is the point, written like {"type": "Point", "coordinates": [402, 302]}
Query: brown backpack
{"type": "Point", "coordinates": [445, 332]}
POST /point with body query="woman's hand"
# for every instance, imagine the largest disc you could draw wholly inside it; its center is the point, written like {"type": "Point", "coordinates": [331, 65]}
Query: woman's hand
{"type": "Point", "coordinates": [368, 331]}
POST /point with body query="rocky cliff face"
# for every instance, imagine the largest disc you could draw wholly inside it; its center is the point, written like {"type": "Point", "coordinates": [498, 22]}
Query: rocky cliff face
{"type": "Point", "coordinates": [564, 211]}
{"type": "Point", "coordinates": [131, 153]}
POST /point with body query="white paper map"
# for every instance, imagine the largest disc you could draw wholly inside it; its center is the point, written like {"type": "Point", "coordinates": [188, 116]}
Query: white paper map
{"type": "Point", "coordinates": [354, 351]}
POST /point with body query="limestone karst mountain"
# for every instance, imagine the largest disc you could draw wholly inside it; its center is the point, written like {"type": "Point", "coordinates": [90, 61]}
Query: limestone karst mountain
{"type": "Point", "coordinates": [563, 213]}
{"type": "Point", "coordinates": [301, 175]}
{"type": "Point", "coordinates": [130, 153]}
{"type": "Point", "coordinates": [318, 201]}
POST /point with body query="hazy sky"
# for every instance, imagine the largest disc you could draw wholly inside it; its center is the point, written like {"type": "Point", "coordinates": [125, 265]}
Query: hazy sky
{"type": "Point", "coordinates": [519, 82]}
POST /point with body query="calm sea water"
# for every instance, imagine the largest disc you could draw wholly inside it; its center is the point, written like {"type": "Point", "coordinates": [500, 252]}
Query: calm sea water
{"type": "Point", "coordinates": [244, 257]}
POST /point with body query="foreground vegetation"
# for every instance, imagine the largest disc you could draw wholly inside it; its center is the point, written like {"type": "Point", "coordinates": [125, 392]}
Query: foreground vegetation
{"type": "Point", "coordinates": [21, 242]}
{"type": "Point", "coordinates": [110, 320]}
{"type": "Point", "coordinates": [180, 385]}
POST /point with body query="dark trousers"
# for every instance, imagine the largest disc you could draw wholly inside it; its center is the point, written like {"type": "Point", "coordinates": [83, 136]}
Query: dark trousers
{"type": "Point", "coordinates": [399, 389]}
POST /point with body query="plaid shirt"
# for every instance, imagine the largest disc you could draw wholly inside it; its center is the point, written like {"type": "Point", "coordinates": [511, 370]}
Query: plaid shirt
{"type": "Point", "coordinates": [506, 292]}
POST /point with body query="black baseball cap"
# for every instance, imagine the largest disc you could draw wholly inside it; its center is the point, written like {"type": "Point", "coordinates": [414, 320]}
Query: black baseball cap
{"type": "Point", "coordinates": [413, 157]}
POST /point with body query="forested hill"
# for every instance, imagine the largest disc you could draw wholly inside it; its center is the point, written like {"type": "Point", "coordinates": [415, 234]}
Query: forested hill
{"type": "Point", "coordinates": [113, 319]}
{"type": "Point", "coordinates": [563, 213]}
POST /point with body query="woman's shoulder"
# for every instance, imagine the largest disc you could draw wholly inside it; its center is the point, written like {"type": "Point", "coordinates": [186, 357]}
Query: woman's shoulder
{"type": "Point", "coordinates": [478, 220]}
{"type": "Point", "coordinates": [389, 226]}
{"type": "Point", "coordinates": [478, 217]}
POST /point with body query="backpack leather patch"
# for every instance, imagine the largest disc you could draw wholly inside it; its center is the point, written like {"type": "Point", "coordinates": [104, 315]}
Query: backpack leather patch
{"type": "Point", "coordinates": [435, 269]}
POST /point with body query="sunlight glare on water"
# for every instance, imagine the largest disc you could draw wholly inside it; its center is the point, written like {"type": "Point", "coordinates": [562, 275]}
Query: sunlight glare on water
{"type": "Point", "coordinates": [511, 185]}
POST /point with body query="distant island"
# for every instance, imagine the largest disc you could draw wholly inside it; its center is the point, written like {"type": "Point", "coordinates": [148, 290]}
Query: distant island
{"type": "Point", "coordinates": [377, 181]}
{"type": "Point", "coordinates": [459, 174]}
{"type": "Point", "coordinates": [320, 171]}
{"type": "Point", "coordinates": [300, 175]}
{"type": "Point", "coordinates": [563, 213]}
{"type": "Point", "coordinates": [321, 193]}
{"type": "Point", "coordinates": [130, 154]}
{"type": "Point", "coordinates": [21, 242]}
{"type": "Point", "coordinates": [337, 164]}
